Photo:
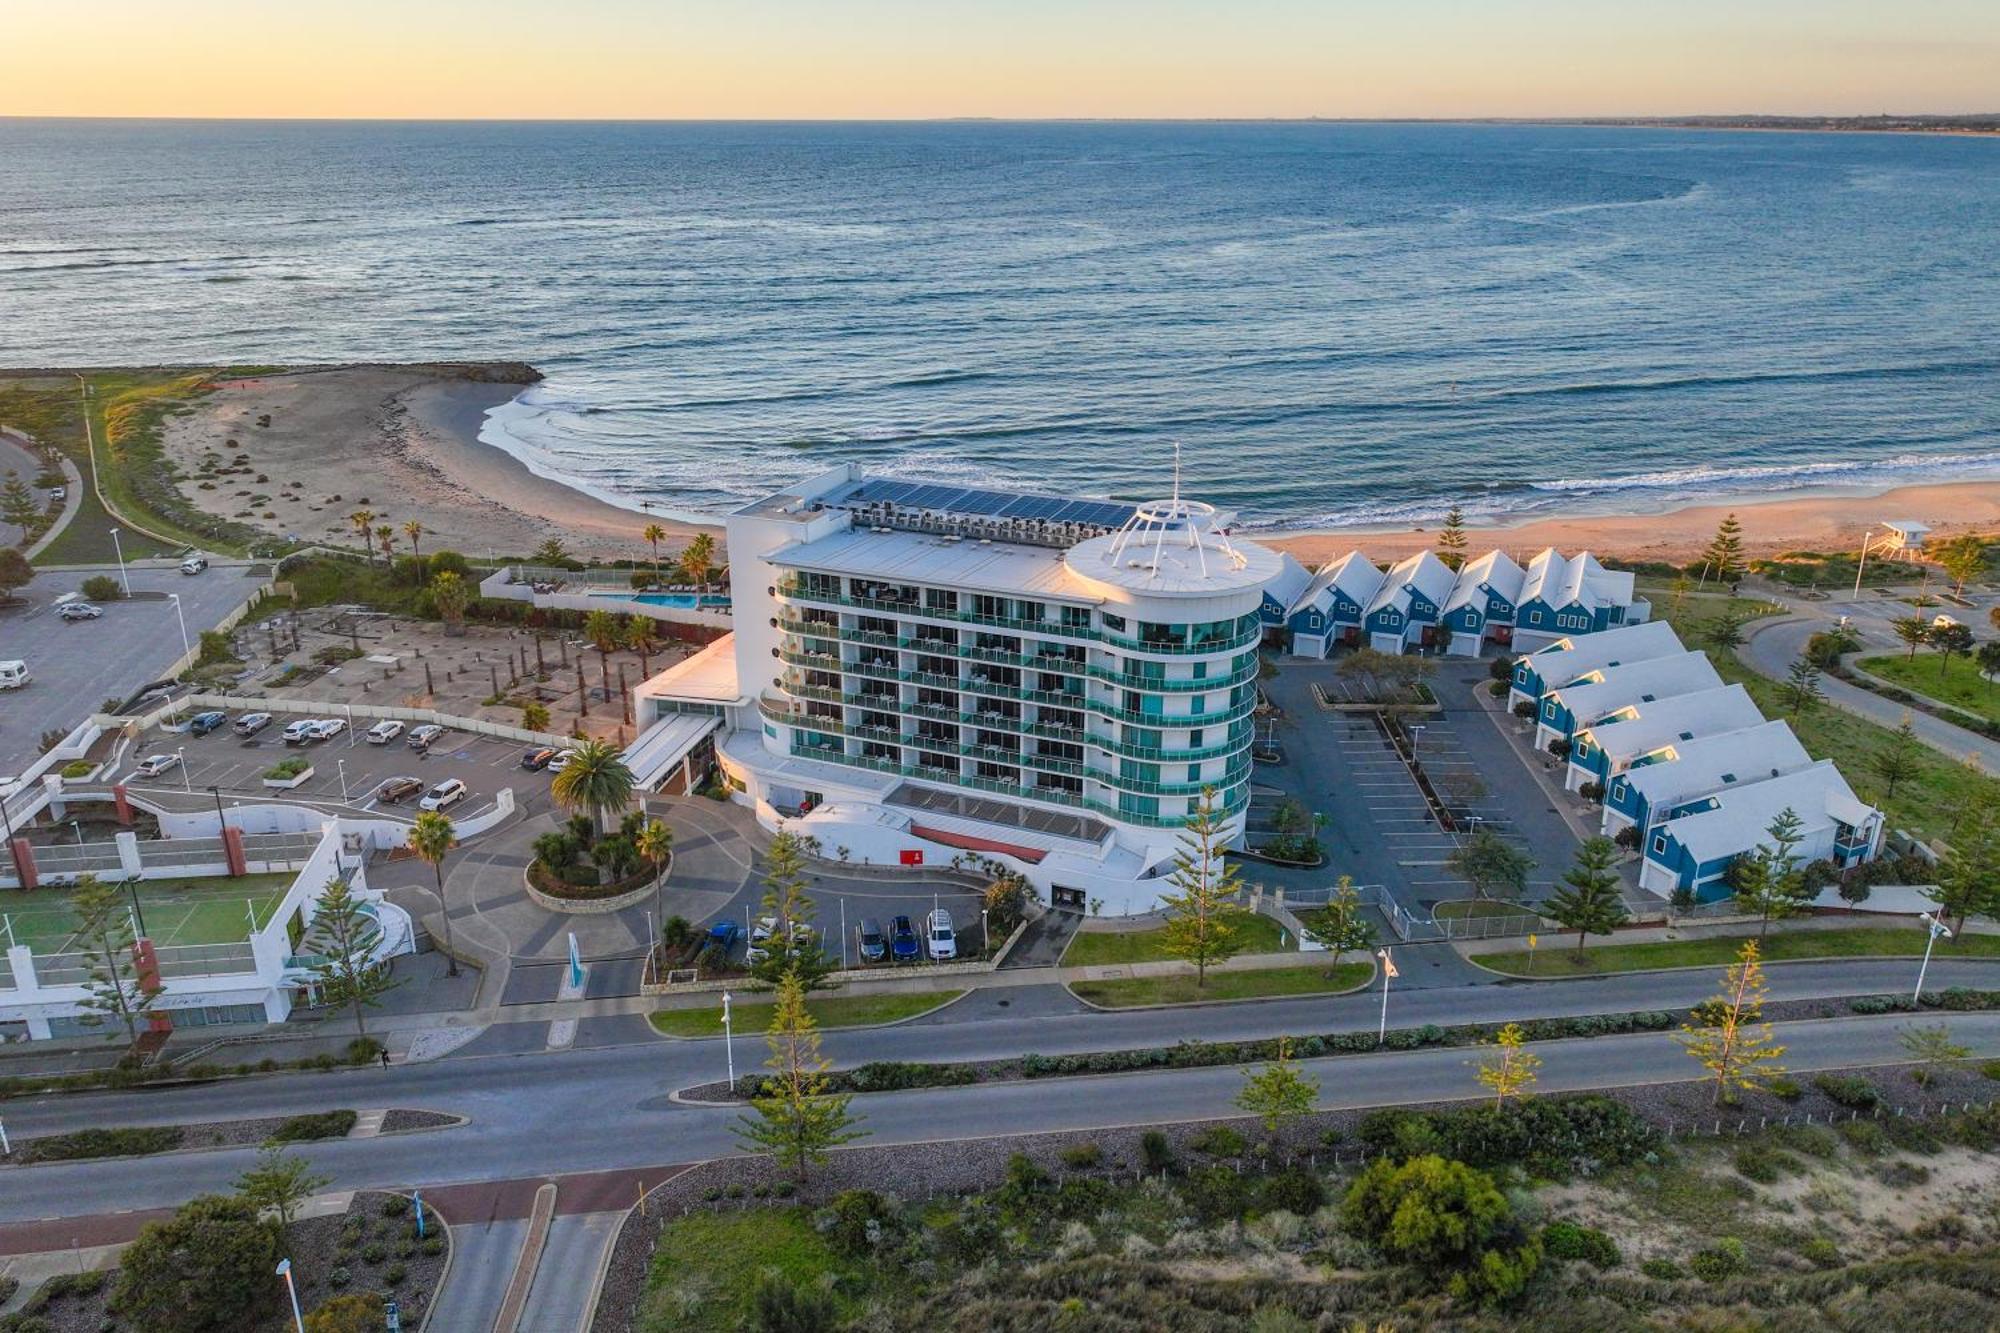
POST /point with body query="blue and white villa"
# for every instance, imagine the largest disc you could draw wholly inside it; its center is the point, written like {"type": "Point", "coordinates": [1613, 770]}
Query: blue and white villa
{"type": "Point", "coordinates": [1331, 609]}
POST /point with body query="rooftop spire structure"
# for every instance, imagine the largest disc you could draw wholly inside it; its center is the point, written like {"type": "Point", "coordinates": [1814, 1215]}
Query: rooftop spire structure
{"type": "Point", "coordinates": [1159, 526]}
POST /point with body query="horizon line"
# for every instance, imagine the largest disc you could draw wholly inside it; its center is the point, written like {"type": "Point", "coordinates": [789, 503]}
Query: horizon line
{"type": "Point", "coordinates": [1591, 118]}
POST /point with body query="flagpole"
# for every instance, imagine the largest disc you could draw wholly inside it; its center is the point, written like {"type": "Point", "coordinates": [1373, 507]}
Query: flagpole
{"type": "Point", "coordinates": [1388, 970]}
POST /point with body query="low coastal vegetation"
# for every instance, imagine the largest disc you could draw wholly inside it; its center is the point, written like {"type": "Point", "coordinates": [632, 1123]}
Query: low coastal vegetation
{"type": "Point", "coordinates": [1234, 984]}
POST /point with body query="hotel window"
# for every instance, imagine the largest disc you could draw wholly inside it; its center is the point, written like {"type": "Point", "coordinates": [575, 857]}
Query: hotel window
{"type": "Point", "coordinates": [984, 604]}
{"type": "Point", "coordinates": [1201, 671]}
{"type": "Point", "coordinates": [1194, 739]}
{"type": "Point", "coordinates": [1194, 773]}
{"type": "Point", "coordinates": [940, 599]}
{"type": "Point", "coordinates": [1076, 617]}
{"type": "Point", "coordinates": [1116, 624]}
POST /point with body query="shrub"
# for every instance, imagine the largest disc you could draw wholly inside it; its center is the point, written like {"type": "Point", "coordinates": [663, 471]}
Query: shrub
{"type": "Point", "coordinates": [1155, 1153]}
{"type": "Point", "coordinates": [1848, 1090]}
{"type": "Point", "coordinates": [1784, 1088]}
{"type": "Point", "coordinates": [1219, 1141]}
{"type": "Point", "coordinates": [1911, 1135]}
{"type": "Point", "coordinates": [80, 1143]}
{"type": "Point", "coordinates": [1082, 1156]}
{"type": "Point", "coordinates": [856, 1221]}
{"type": "Point", "coordinates": [782, 1306]}
{"type": "Point", "coordinates": [1821, 1251]}
{"type": "Point", "coordinates": [1812, 1140]}
{"type": "Point", "coordinates": [1524, 709]}
{"type": "Point", "coordinates": [1446, 1220]}
{"type": "Point", "coordinates": [1901, 1175]}
{"type": "Point", "coordinates": [1865, 1137]}
{"type": "Point", "coordinates": [1991, 1069]}
{"type": "Point", "coordinates": [394, 1205]}
{"type": "Point", "coordinates": [1762, 1163]}
{"type": "Point", "coordinates": [317, 1125]}
{"type": "Point", "coordinates": [1295, 1191]}
{"type": "Point", "coordinates": [1215, 1194]}
{"type": "Point", "coordinates": [1724, 1259]}
{"type": "Point", "coordinates": [102, 588]}
{"type": "Point", "coordinates": [1666, 1270]}
{"type": "Point", "coordinates": [1564, 1239]}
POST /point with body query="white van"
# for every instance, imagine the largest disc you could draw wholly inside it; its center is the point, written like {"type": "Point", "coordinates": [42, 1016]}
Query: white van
{"type": "Point", "coordinates": [13, 675]}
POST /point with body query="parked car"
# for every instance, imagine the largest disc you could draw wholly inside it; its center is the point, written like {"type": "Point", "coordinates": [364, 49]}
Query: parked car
{"type": "Point", "coordinates": [194, 564]}
{"type": "Point", "coordinates": [328, 727]}
{"type": "Point", "coordinates": [443, 796]}
{"type": "Point", "coordinates": [421, 737]}
{"type": "Point", "coordinates": [80, 611]}
{"type": "Point", "coordinates": [537, 759]}
{"type": "Point", "coordinates": [155, 764]}
{"type": "Point", "coordinates": [724, 934]}
{"type": "Point", "coordinates": [560, 760]}
{"type": "Point", "coordinates": [203, 723]}
{"type": "Point", "coordinates": [874, 944]}
{"type": "Point", "coordinates": [939, 938]}
{"type": "Point", "coordinates": [903, 940]}
{"type": "Point", "coordinates": [301, 731]}
{"type": "Point", "coordinates": [252, 723]}
{"type": "Point", "coordinates": [396, 790]}
{"type": "Point", "coordinates": [14, 674]}
{"type": "Point", "coordinates": [58, 492]}
{"type": "Point", "coordinates": [384, 731]}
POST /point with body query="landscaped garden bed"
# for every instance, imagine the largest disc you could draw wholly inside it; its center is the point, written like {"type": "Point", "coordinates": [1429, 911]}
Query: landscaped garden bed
{"type": "Point", "coordinates": [578, 863]}
{"type": "Point", "coordinates": [145, 1140]}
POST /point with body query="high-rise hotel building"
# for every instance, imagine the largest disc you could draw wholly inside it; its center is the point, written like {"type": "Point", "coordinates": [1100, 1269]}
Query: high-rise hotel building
{"type": "Point", "coordinates": [926, 667]}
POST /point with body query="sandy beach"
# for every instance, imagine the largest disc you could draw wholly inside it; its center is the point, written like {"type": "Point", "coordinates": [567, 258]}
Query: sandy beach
{"type": "Point", "coordinates": [402, 442]}
{"type": "Point", "coordinates": [1795, 523]}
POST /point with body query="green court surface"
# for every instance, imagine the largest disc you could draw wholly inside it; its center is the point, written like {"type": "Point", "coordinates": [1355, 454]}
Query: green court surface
{"type": "Point", "coordinates": [176, 911]}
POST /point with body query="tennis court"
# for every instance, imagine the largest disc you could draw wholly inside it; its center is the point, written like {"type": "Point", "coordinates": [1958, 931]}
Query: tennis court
{"type": "Point", "coordinates": [176, 911]}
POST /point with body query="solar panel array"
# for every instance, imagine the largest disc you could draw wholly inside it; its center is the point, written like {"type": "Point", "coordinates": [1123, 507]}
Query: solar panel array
{"type": "Point", "coordinates": [990, 504]}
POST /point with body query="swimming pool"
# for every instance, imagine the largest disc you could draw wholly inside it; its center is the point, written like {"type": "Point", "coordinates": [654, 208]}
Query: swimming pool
{"type": "Point", "coordinates": [686, 601]}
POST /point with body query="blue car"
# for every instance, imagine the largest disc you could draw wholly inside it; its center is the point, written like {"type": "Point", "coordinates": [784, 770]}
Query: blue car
{"type": "Point", "coordinates": [203, 723]}
{"type": "Point", "coordinates": [724, 934]}
{"type": "Point", "coordinates": [903, 940]}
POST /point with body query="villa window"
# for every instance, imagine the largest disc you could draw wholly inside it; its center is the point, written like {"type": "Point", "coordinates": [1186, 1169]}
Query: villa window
{"type": "Point", "coordinates": [1659, 844]}
{"type": "Point", "coordinates": [1534, 617]}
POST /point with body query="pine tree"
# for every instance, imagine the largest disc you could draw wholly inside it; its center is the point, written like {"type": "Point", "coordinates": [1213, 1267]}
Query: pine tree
{"type": "Point", "coordinates": [1724, 553]}
{"type": "Point", "coordinates": [1801, 691]}
{"type": "Point", "coordinates": [1914, 631]}
{"type": "Point", "coordinates": [1278, 1093]}
{"type": "Point", "coordinates": [106, 936]}
{"type": "Point", "coordinates": [280, 1181]}
{"type": "Point", "coordinates": [1589, 902]}
{"type": "Point", "coordinates": [1968, 879]}
{"type": "Point", "coordinates": [340, 936]}
{"type": "Point", "coordinates": [17, 503]}
{"type": "Point", "coordinates": [1728, 1036]}
{"type": "Point", "coordinates": [794, 948]}
{"type": "Point", "coordinates": [1204, 920]}
{"type": "Point", "coordinates": [1934, 1052]}
{"type": "Point", "coordinates": [795, 1119]}
{"type": "Point", "coordinates": [1900, 760]}
{"type": "Point", "coordinates": [1339, 925]}
{"type": "Point", "coordinates": [1683, 585]}
{"type": "Point", "coordinates": [1451, 539]}
{"type": "Point", "coordinates": [1509, 1068]}
{"type": "Point", "coordinates": [1491, 864]}
{"type": "Point", "coordinates": [1769, 882]}
{"type": "Point", "coordinates": [1963, 558]}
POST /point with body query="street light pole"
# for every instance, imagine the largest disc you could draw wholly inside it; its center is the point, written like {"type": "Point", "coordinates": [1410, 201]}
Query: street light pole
{"type": "Point", "coordinates": [341, 764]}
{"type": "Point", "coordinates": [187, 784]}
{"type": "Point", "coordinates": [187, 648]}
{"type": "Point", "coordinates": [1937, 928]}
{"type": "Point", "coordinates": [119, 547]}
{"type": "Point", "coordinates": [285, 1272]}
{"type": "Point", "coordinates": [1862, 563]}
{"type": "Point", "coordinates": [728, 1039]}
{"type": "Point", "coordinates": [1388, 970]}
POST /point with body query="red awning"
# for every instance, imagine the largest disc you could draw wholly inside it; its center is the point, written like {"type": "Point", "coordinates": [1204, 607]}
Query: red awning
{"type": "Point", "coordinates": [966, 842]}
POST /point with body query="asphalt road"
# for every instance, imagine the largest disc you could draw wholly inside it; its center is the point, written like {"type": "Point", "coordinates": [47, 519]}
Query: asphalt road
{"type": "Point", "coordinates": [608, 1107]}
{"type": "Point", "coordinates": [77, 666]}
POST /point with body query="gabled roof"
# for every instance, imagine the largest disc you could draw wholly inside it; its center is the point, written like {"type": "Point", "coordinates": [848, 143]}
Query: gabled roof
{"type": "Point", "coordinates": [1289, 584]}
{"type": "Point", "coordinates": [1575, 654]}
{"type": "Point", "coordinates": [1686, 769]}
{"type": "Point", "coordinates": [1742, 817]}
{"type": "Point", "coordinates": [1560, 580]}
{"type": "Point", "coordinates": [1495, 570]}
{"type": "Point", "coordinates": [1423, 573]}
{"type": "Point", "coordinates": [1642, 728]}
{"type": "Point", "coordinates": [1596, 693]}
{"type": "Point", "coordinates": [1354, 575]}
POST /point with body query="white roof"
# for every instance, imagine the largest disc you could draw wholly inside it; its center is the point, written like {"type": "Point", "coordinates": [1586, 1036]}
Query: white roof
{"type": "Point", "coordinates": [1742, 818]}
{"type": "Point", "coordinates": [1173, 548]}
{"type": "Point", "coordinates": [1573, 655]}
{"type": "Point", "coordinates": [1353, 574]}
{"type": "Point", "coordinates": [707, 677]}
{"type": "Point", "coordinates": [1906, 527]}
{"type": "Point", "coordinates": [1642, 728]}
{"type": "Point", "coordinates": [1289, 584]}
{"type": "Point", "coordinates": [1596, 693]}
{"type": "Point", "coordinates": [1495, 570]}
{"type": "Point", "coordinates": [1686, 769]}
{"type": "Point", "coordinates": [1423, 572]}
{"type": "Point", "coordinates": [1562, 580]}
{"type": "Point", "coordinates": [655, 751]}
{"type": "Point", "coordinates": [924, 557]}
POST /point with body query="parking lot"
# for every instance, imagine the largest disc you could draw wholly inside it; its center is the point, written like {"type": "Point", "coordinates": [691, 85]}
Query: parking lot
{"type": "Point", "coordinates": [345, 769]}
{"type": "Point", "coordinates": [78, 666]}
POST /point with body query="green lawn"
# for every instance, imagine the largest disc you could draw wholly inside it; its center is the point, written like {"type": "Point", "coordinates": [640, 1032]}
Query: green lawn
{"type": "Point", "coordinates": [1471, 909]}
{"type": "Point", "coordinates": [1927, 804]}
{"type": "Point", "coordinates": [707, 1267]}
{"type": "Point", "coordinates": [1252, 983]}
{"type": "Point", "coordinates": [829, 1011]}
{"type": "Point", "coordinates": [197, 911]}
{"type": "Point", "coordinates": [1092, 948]}
{"type": "Point", "coordinates": [1559, 959]}
{"type": "Point", "coordinates": [49, 409]}
{"type": "Point", "coordinates": [1960, 682]}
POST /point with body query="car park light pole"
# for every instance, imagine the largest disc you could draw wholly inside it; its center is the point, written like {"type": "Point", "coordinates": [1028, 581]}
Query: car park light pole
{"type": "Point", "coordinates": [180, 753]}
{"type": "Point", "coordinates": [119, 547]}
{"type": "Point", "coordinates": [285, 1272]}
{"type": "Point", "coordinates": [187, 648]}
{"type": "Point", "coordinates": [728, 1041]}
{"type": "Point", "coordinates": [341, 764]}
{"type": "Point", "coordinates": [350, 726]}
{"type": "Point", "coordinates": [1388, 970]}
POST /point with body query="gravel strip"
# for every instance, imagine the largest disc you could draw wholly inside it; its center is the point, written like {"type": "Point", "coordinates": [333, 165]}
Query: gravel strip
{"type": "Point", "coordinates": [399, 1120]}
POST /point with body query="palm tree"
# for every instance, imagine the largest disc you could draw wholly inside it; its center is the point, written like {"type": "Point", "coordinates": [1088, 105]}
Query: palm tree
{"type": "Point", "coordinates": [656, 842]}
{"type": "Point", "coordinates": [697, 558]}
{"type": "Point", "coordinates": [386, 535]}
{"type": "Point", "coordinates": [640, 639]}
{"type": "Point", "coordinates": [595, 780]}
{"type": "Point", "coordinates": [430, 838]}
{"type": "Point", "coordinates": [606, 635]}
{"type": "Point", "coordinates": [364, 523]}
{"type": "Point", "coordinates": [654, 535]}
{"type": "Point", "coordinates": [415, 532]}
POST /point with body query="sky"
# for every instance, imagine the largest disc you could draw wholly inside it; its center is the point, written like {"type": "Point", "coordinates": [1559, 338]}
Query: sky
{"type": "Point", "coordinates": [907, 59]}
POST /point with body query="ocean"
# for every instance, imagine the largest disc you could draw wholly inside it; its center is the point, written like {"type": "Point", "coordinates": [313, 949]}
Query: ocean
{"type": "Point", "coordinates": [1339, 324]}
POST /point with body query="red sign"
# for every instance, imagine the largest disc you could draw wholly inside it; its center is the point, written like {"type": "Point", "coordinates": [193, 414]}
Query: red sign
{"type": "Point", "coordinates": [913, 858]}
